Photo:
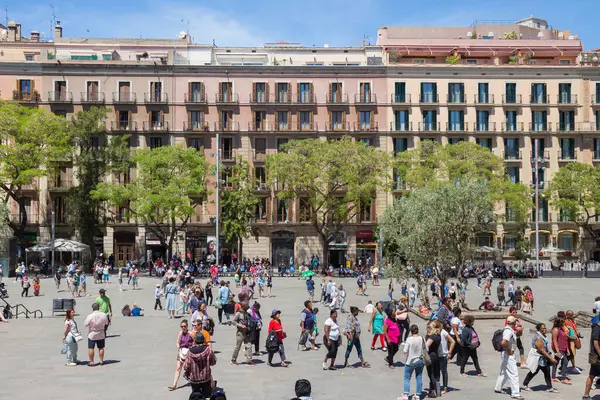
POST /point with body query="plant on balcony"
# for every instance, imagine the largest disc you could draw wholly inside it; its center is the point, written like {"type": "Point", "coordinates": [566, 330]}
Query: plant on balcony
{"type": "Point", "coordinates": [394, 56]}
{"type": "Point", "coordinates": [38, 139]}
{"type": "Point", "coordinates": [452, 59]}
{"type": "Point", "coordinates": [511, 36]}
{"type": "Point", "coordinates": [513, 60]}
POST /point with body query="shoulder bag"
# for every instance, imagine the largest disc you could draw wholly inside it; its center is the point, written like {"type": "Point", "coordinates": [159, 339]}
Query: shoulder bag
{"type": "Point", "coordinates": [425, 354]}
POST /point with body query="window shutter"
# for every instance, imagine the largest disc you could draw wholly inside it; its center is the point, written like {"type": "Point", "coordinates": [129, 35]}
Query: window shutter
{"type": "Point", "coordinates": [189, 120]}
{"type": "Point", "coordinates": [254, 91]}
{"type": "Point", "coordinates": [289, 92]}
{"type": "Point", "coordinates": [544, 92]}
{"type": "Point", "coordinates": [19, 85]}
{"type": "Point", "coordinates": [330, 120]}
{"type": "Point", "coordinates": [372, 119]}
{"type": "Point", "coordinates": [343, 120]}
{"type": "Point", "coordinates": [358, 120]}
{"type": "Point", "coordinates": [298, 92]}
{"type": "Point", "coordinates": [276, 115]}
{"type": "Point", "coordinates": [290, 120]}
{"type": "Point", "coordinates": [434, 91]}
{"type": "Point", "coordinates": [362, 91]}
{"type": "Point", "coordinates": [311, 92]}
{"type": "Point", "coordinates": [267, 91]}
{"type": "Point", "coordinates": [32, 85]}
{"type": "Point", "coordinates": [330, 92]}
{"type": "Point", "coordinates": [312, 120]}
{"type": "Point", "coordinates": [190, 95]}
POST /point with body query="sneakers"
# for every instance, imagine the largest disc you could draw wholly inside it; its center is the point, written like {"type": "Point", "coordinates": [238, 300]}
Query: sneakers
{"type": "Point", "coordinates": [324, 366]}
{"type": "Point", "coordinates": [71, 364]}
{"type": "Point", "coordinates": [234, 362]}
{"type": "Point", "coordinates": [586, 398]}
{"type": "Point", "coordinates": [526, 388]}
{"type": "Point", "coordinates": [517, 397]}
{"type": "Point", "coordinates": [552, 390]}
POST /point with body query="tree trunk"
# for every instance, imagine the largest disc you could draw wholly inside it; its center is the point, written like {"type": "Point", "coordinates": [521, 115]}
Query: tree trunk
{"type": "Point", "coordinates": [240, 244]}
{"type": "Point", "coordinates": [325, 259]}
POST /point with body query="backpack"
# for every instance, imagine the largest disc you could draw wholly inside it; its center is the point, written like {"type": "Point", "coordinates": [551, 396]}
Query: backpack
{"type": "Point", "coordinates": [434, 315]}
{"type": "Point", "coordinates": [272, 345]}
{"type": "Point", "coordinates": [497, 340]}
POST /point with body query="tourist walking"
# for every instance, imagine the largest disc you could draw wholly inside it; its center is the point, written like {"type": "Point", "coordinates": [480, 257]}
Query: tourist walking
{"type": "Point", "coordinates": [574, 338]}
{"type": "Point", "coordinates": [519, 329]}
{"type": "Point", "coordinates": [157, 296]}
{"type": "Point", "coordinates": [105, 307]}
{"type": "Point", "coordinates": [508, 365]}
{"type": "Point", "coordinates": [433, 342]}
{"type": "Point", "coordinates": [255, 326]}
{"type": "Point", "coordinates": [376, 326]}
{"type": "Point", "coordinates": [242, 335]}
{"type": "Point", "coordinates": [307, 325]}
{"type": "Point", "coordinates": [120, 276]}
{"type": "Point", "coordinates": [222, 302]}
{"type": "Point", "coordinates": [560, 346]}
{"type": "Point", "coordinates": [57, 278]}
{"type": "Point", "coordinates": [414, 348]}
{"type": "Point", "coordinates": [402, 318]}
{"type": "Point", "coordinates": [412, 295]}
{"type": "Point", "coordinates": [352, 332]}
{"type": "Point", "coordinates": [457, 328]}
{"type": "Point", "coordinates": [197, 365]}
{"type": "Point", "coordinates": [96, 323]}
{"type": "Point", "coordinates": [447, 345]}
{"type": "Point", "coordinates": [71, 336]}
{"type": "Point", "coordinates": [275, 326]}
{"type": "Point", "coordinates": [310, 288]}
{"type": "Point", "coordinates": [171, 291]}
{"type": "Point", "coordinates": [184, 342]}
{"type": "Point", "coordinates": [540, 359]}
{"type": "Point", "coordinates": [594, 355]}
{"type": "Point", "coordinates": [331, 339]}
{"type": "Point", "coordinates": [470, 342]}
{"type": "Point", "coordinates": [391, 331]}
{"type": "Point", "coordinates": [25, 285]}
{"type": "Point", "coordinates": [269, 284]}
{"type": "Point", "coordinates": [208, 293]}
{"type": "Point", "coordinates": [391, 290]}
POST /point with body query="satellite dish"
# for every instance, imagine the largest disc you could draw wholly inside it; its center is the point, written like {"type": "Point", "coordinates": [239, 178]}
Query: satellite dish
{"type": "Point", "coordinates": [182, 35]}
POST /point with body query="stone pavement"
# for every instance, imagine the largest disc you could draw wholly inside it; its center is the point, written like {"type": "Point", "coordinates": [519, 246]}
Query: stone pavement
{"type": "Point", "coordinates": [142, 351]}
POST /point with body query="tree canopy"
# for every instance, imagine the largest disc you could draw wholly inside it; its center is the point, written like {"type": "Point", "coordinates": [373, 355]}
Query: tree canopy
{"type": "Point", "coordinates": [333, 177]}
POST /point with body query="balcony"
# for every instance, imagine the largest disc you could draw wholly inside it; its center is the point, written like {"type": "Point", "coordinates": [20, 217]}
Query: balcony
{"type": "Point", "coordinates": [596, 155]}
{"type": "Point", "coordinates": [281, 126]}
{"type": "Point", "coordinates": [588, 126]}
{"type": "Point", "coordinates": [337, 99]}
{"type": "Point", "coordinates": [543, 157]}
{"type": "Point", "coordinates": [542, 101]}
{"type": "Point", "coordinates": [259, 98]}
{"type": "Point", "coordinates": [31, 218]}
{"type": "Point", "coordinates": [457, 127]}
{"type": "Point", "coordinates": [196, 126]}
{"type": "Point", "coordinates": [126, 126]}
{"type": "Point", "coordinates": [262, 126]}
{"type": "Point", "coordinates": [305, 99]}
{"type": "Point", "coordinates": [515, 99]}
{"type": "Point", "coordinates": [59, 184]}
{"type": "Point", "coordinates": [60, 97]}
{"type": "Point", "coordinates": [514, 127]}
{"type": "Point", "coordinates": [401, 126]}
{"type": "Point", "coordinates": [399, 185]}
{"type": "Point", "coordinates": [567, 156]}
{"type": "Point", "coordinates": [311, 126]}
{"type": "Point", "coordinates": [489, 127]}
{"type": "Point", "coordinates": [540, 127]}
{"type": "Point", "coordinates": [155, 126]}
{"type": "Point", "coordinates": [566, 99]}
{"type": "Point", "coordinates": [261, 187]}
{"type": "Point", "coordinates": [566, 127]}
{"type": "Point", "coordinates": [483, 99]}
{"type": "Point", "coordinates": [92, 97]}
{"type": "Point", "coordinates": [337, 127]}
{"type": "Point", "coordinates": [400, 99]}
{"type": "Point", "coordinates": [26, 97]}
{"type": "Point", "coordinates": [429, 126]}
{"type": "Point", "coordinates": [512, 156]}
{"type": "Point", "coordinates": [282, 98]}
{"type": "Point", "coordinates": [124, 98]}
{"type": "Point", "coordinates": [364, 127]}
{"type": "Point", "coordinates": [429, 98]}
{"type": "Point", "coordinates": [227, 99]}
{"type": "Point", "coordinates": [541, 185]}
{"type": "Point", "coordinates": [230, 126]}
{"type": "Point", "coordinates": [195, 98]}
{"type": "Point", "coordinates": [456, 99]}
{"type": "Point", "coordinates": [227, 155]}
{"type": "Point", "coordinates": [156, 98]}
{"type": "Point", "coordinates": [365, 99]}
{"type": "Point", "coordinates": [259, 155]}
{"type": "Point", "coordinates": [595, 100]}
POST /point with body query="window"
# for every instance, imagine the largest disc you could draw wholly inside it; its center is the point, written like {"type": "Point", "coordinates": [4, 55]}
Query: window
{"type": "Point", "coordinates": [365, 92]}
{"type": "Point", "coordinates": [29, 57]}
{"type": "Point", "coordinates": [597, 120]}
{"type": "Point", "coordinates": [457, 121]}
{"type": "Point", "coordinates": [429, 92]}
{"type": "Point", "coordinates": [455, 140]}
{"type": "Point", "coordinates": [336, 93]}
{"type": "Point", "coordinates": [261, 92]}
{"type": "Point", "coordinates": [282, 211]}
{"type": "Point", "coordinates": [484, 239]}
{"type": "Point", "coordinates": [226, 92]}
{"type": "Point", "coordinates": [227, 148]}
{"type": "Point", "coordinates": [400, 120]}
{"type": "Point", "coordinates": [225, 120]}
{"type": "Point", "coordinates": [260, 149]}
{"type": "Point", "coordinates": [195, 143]}
{"type": "Point", "coordinates": [429, 120]}
{"type": "Point", "coordinates": [60, 210]}
{"type": "Point", "coordinates": [540, 180]}
{"type": "Point", "coordinates": [456, 93]}
{"type": "Point", "coordinates": [155, 91]}
{"type": "Point", "coordinates": [511, 148]}
{"type": "Point", "coordinates": [95, 142]}
{"type": "Point", "coordinates": [541, 148]}
{"type": "Point", "coordinates": [510, 97]}
{"type": "Point", "coordinates": [511, 121]}
{"type": "Point", "coordinates": [400, 145]}
{"type": "Point", "coordinates": [366, 214]}
{"type": "Point", "coordinates": [195, 120]}
{"type": "Point", "coordinates": [596, 149]}
{"type": "Point", "coordinates": [418, 61]}
{"type": "Point", "coordinates": [365, 120]}
{"type": "Point", "coordinates": [400, 92]}
{"type": "Point", "coordinates": [304, 207]}
{"type": "Point", "coordinates": [486, 143]}
{"type": "Point", "coordinates": [337, 119]}
{"type": "Point", "coordinates": [597, 97]}
{"type": "Point", "coordinates": [513, 174]}
{"type": "Point", "coordinates": [510, 243]}
{"type": "Point", "coordinates": [564, 93]}
{"type": "Point", "coordinates": [566, 215]}
{"type": "Point", "coordinates": [542, 210]}
{"type": "Point", "coordinates": [260, 176]}
{"type": "Point", "coordinates": [471, 62]}
{"type": "Point", "coordinates": [304, 97]}
{"type": "Point", "coordinates": [566, 121]}
{"type": "Point", "coordinates": [566, 241]}
{"type": "Point", "coordinates": [305, 120]}
{"type": "Point", "coordinates": [155, 142]}
{"type": "Point", "coordinates": [281, 142]}
{"type": "Point", "coordinates": [283, 95]}
{"type": "Point", "coordinates": [125, 94]}
{"type": "Point", "coordinates": [538, 93]}
{"type": "Point", "coordinates": [567, 148]}
{"type": "Point", "coordinates": [510, 214]}
{"type": "Point", "coordinates": [124, 118]}
{"type": "Point", "coordinates": [25, 87]}
{"type": "Point", "coordinates": [196, 92]}
{"type": "Point", "coordinates": [483, 120]}
{"type": "Point", "coordinates": [540, 121]}
{"type": "Point", "coordinates": [367, 141]}
{"type": "Point", "coordinates": [260, 214]}
{"type": "Point", "coordinates": [483, 93]}
{"type": "Point", "coordinates": [226, 177]}
{"type": "Point", "coordinates": [282, 120]}
{"type": "Point", "coordinates": [564, 62]}
{"type": "Point", "coordinates": [156, 119]}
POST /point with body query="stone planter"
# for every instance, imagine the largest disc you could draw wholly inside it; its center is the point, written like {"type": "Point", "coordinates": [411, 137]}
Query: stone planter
{"type": "Point", "coordinates": [552, 274]}
{"type": "Point", "coordinates": [572, 274]}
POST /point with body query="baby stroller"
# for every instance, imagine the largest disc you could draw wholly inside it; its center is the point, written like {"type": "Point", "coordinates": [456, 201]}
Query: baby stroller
{"type": "Point", "coordinates": [3, 291]}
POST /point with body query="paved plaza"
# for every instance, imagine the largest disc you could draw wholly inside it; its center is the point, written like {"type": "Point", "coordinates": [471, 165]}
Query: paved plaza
{"type": "Point", "coordinates": [141, 351]}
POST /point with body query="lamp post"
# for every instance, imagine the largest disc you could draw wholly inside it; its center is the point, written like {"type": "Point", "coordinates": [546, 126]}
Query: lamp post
{"type": "Point", "coordinates": [52, 221]}
{"type": "Point", "coordinates": [537, 207]}
{"type": "Point", "coordinates": [218, 211]}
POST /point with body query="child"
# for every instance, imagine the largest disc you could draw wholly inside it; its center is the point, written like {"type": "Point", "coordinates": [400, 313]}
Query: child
{"type": "Point", "coordinates": [157, 295]}
{"type": "Point", "coordinates": [82, 284]}
{"type": "Point", "coordinates": [315, 332]}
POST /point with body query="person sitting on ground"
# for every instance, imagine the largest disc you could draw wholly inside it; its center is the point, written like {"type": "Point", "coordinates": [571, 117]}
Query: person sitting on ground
{"type": "Point", "coordinates": [488, 305]}
{"type": "Point", "coordinates": [302, 389]}
{"type": "Point", "coordinates": [126, 311]}
{"type": "Point", "coordinates": [137, 311]}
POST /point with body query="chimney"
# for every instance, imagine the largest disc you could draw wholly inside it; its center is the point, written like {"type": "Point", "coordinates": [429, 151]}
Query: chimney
{"type": "Point", "coordinates": [35, 36]}
{"type": "Point", "coordinates": [12, 31]}
{"type": "Point", "coordinates": [57, 30]}
{"type": "Point", "coordinates": [18, 32]}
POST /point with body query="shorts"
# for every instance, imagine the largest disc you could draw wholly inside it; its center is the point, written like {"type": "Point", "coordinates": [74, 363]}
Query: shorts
{"type": "Point", "coordinates": [98, 343]}
{"type": "Point", "coordinates": [120, 281]}
{"type": "Point", "coordinates": [311, 293]}
{"type": "Point", "coordinates": [595, 370]}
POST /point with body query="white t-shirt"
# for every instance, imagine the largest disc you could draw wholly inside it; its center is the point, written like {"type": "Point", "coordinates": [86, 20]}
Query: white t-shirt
{"type": "Point", "coordinates": [369, 308]}
{"type": "Point", "coordinates": [412, 292]}
{"type": "Point", "coordinates": [509, 335]}
{"type": "Point", "coordinates": [459, 324]}
{"type": "Point", "coordinates": [334, 329]}
{"type": "Point", "coordinates": [597, 306]}
{"type": "Point", "coordinates": [444, 345]}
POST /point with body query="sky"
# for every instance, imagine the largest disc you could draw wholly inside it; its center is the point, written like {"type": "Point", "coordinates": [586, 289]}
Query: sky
{"type": "Point", "coordinates": [309, 22]}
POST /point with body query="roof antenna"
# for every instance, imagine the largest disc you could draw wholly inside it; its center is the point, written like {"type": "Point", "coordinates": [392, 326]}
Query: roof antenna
{"type": "Point", "coordinates": [6, 15]}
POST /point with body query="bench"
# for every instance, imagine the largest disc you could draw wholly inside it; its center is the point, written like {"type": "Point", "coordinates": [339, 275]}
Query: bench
{"type": "Point", "coordinates": [62, 305]}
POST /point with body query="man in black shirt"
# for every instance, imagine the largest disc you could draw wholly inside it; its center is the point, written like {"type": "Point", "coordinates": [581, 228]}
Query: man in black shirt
{"type": "Point", "coordinates": [594, 354]}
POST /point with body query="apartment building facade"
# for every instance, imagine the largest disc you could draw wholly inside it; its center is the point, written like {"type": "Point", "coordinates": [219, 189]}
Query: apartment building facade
{"type": "Point", "coordinates": [499, 93]}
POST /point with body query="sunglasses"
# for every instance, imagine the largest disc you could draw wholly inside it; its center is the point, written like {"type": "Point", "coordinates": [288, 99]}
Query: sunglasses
{"type": "Point", "coordinates": [183, 326]}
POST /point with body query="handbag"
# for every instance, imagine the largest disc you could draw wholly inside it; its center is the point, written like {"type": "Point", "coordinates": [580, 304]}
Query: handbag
{"type": "Point", "coordinates": [593, 359]}
{"type": "Point", "coordinates": [77, 336]}
{"type": "Point", "coordinates": [218, 302]}
{"type": "Point", "coordinates": [183, 352]}
{"type": "Point", "coordinates": [425, 355]}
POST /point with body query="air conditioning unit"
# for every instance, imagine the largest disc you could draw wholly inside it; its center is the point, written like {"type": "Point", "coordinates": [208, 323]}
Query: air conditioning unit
{"type": "Point", "coordinates": [540, 35]}
{"type": "Point", "coordinates": [561, 35]}
{"type": "Point", "coordinates": [491, 35]}
{"type": "Point", "coordinates": [470, 35]}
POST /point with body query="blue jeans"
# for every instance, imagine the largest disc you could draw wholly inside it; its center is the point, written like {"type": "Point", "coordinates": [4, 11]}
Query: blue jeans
{"type": "Point", "coordinates": [408, 370]}
{"type": "Point", "coordinates": [354, 343]}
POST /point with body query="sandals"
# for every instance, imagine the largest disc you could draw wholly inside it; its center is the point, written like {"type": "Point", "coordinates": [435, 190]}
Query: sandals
{"type": "Point", "coordinates": [332, 368]}
{"type": "Point", "coordinates": [566, 382]}
{"type": "Point", "coordinates": [172, 387]}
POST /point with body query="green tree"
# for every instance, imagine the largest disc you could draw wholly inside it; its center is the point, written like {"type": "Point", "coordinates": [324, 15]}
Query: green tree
{"type": "Point", "coordinates": [334, 177]}
{"type": "Point", "coordinates": [238, 205]}
{"type": "Point", "coordinates": [170, 183]}
{"type": "Point", "coordinates": [5, 231]}
{"type": "Point", "coordinates": [575, 189]}
{"type": "Point", "coordinates": [95, 156]}
{"type": "Point", "coordinates": [32, 143]}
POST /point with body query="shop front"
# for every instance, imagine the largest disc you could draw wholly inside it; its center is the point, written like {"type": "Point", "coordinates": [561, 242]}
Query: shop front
{"type": "Point", "coordinates": [366, 248]}
{"type": "Point", "coordinates": [196, 245]}
{"type": "Point", "coordinates": [338, 249]}
{"type": "Point", "coordinates": [282, 248]}
{"type": "Point", "coordinates": [124, 245]}
{"type": "Point", "coordinates": [154, 248]}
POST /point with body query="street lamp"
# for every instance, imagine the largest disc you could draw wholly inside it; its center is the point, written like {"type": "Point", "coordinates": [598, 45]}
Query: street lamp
{"type": "Point", "coordinates": [537, 206]}
{"type": "Point", "coordinates": [218, 185]}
